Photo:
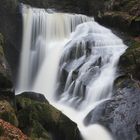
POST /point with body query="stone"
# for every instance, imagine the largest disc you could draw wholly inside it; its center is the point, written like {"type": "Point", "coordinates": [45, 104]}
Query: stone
{"type": "Point", "coordinates": [39, 119]}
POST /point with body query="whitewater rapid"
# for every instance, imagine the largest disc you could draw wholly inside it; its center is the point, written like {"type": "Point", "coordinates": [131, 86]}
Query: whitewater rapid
{"type": "Point", "coordinates": [54, 43]}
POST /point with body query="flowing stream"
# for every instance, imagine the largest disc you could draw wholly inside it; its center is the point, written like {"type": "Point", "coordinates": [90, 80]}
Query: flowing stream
{"type": "Point", "coordinates": [72, 60]}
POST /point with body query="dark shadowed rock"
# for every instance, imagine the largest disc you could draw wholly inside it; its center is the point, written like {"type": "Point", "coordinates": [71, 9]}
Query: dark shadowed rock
{"type": "Point", "coordinates": [130, 61]}
{"type": "Point", "coordinates": [11, 28]}
{"type": "Point", "coordinates": [6, 85]}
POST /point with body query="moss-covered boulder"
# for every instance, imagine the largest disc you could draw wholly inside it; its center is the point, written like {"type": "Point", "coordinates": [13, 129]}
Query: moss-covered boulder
{"type": "Point", "coordinates": [38, 119]}
{"type": "Point", "coordinates": [7, 113]}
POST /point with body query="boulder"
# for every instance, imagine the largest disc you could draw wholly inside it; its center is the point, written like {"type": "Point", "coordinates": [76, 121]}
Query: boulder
{"type": "Point", "coordinates": [38, 119]}
{"type": "Point", "coordinates": [120, 115]}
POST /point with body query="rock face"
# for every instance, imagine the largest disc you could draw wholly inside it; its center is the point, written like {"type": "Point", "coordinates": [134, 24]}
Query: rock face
{"type": "Point", "coordinates": [121, 14]}
{"type": "Point", "coordinates": [5, 76]}
{"type": "Point", "coordinates": [71, 6]}
{"type": "Point", "coordinates": [11, 28]}
{"type": "Point", "coordinates": [38, 119]}
{"type": "Point", "coordinates": [120, 115]}
{"type": "Point", "coordinates": [7, 113]}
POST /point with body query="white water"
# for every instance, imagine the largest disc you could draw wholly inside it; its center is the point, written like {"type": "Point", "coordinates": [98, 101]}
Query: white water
{"type": "Point", "coordinates": [47, 49]}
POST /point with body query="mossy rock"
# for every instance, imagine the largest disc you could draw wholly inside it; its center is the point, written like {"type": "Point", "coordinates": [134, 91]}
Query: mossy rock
{"type": "Point", "coordinates": [130, 60]}
{"type": "Point", "coordinates": [37, 131]}
{"type": "Point", "coordinates": [7, 113]}
{"type": "Point", "coordinates": [40, 119]}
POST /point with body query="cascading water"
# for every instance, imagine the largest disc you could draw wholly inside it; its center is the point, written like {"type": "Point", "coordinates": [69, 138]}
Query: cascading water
{"type": "Point", "coordinates": [72, 60]}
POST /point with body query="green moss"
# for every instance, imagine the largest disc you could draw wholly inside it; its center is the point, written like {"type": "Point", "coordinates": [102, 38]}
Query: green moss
{"type": "Point", "coordinates": [33, 117]}
{"type": "Point", "coordinates": [38, 131]}
{"type": "Point", "coordinates": [36, 119]}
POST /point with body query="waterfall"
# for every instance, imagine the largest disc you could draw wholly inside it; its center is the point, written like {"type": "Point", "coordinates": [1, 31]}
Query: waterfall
{"type": "Point", "coordinates": [72, 60]}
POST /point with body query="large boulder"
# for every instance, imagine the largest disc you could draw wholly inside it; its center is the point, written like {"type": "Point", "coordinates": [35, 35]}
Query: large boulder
{"type": "Point", "coordinates": [121, 114]}
{"type": "Point", "coordinates": [38, 119]}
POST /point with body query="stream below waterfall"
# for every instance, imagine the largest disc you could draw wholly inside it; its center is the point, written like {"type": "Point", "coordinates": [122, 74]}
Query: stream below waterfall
{"type": "Point", "coordinates": [72, 60]}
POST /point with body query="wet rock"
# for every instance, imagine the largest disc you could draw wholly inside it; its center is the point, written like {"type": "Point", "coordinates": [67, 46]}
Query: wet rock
{"type": "Point", "coordinates": [11, 28]}
{"type": "Point", "coordinates": [120, 114]}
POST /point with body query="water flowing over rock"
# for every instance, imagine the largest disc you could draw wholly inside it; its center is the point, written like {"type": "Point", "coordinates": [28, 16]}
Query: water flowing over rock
{"type": "Point", "coordinates": [72, 60]}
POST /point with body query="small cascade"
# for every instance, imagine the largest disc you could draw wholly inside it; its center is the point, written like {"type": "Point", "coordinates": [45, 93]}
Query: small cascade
{"type": "Point", "coordinates": [72, 60]}
{"type": "Point", "coordinates": [88, 65]}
